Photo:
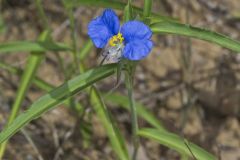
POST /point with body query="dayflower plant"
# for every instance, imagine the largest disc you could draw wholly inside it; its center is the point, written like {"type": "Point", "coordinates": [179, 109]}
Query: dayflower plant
{"type": "Point", "coordinates": [131, 41]}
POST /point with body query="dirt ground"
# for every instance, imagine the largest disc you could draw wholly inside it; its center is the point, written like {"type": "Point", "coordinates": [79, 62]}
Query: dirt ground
{"type": "Point", "coordinates": [192, 86]}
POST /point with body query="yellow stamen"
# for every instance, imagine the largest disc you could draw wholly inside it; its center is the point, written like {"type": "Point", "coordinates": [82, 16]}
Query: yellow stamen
{"type": "Point", "coordinates": [116, 40]}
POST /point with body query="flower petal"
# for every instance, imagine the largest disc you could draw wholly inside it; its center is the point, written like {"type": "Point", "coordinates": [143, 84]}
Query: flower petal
{"type": "Point", "coordinates": [135, 30]}
{"type": "Point", "coordinates": [103, 27]}
{"type": "Point", "coordinates": [137, 50]}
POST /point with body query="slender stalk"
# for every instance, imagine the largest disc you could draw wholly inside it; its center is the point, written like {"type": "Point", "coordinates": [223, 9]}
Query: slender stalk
{"type": "Point", "coordinates": [87, 46]}
{"type": "Point", "coordinates": [134, 120]}
{"type": "Point", "coordinates": [41, 84]}
{"type": "Point", "coordinates": [128, 13]}
{"type": "Point", "coordinates": [129, 74]}
{"type": "Point", "coordinates": [73, 35]}
{"type": "Point", "coordinates": [30, 141]}
{"type": "Point", "coordinates": [31, 67]}
{"type": "Point", "coordinates": [147, 8]}
{"type": "Point", "coordinates": [41, 14]}
{"type": "Point", "coordinates": [33, 63]}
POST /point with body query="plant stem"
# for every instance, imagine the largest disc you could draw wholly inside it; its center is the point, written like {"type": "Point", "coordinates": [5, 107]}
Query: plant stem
{"type": "Point", "coordinates": [42, 14]}
{"type": "Point", "coordinates": [134, 120]}
{"type": "Point", "coordinates": [73, 35]}
{"type": "Point", "coordinates": [147, 8]}
{"type": "Point", "coordinates": [128, 13]}
{"type": "Point", "coordinates": [29, 73]}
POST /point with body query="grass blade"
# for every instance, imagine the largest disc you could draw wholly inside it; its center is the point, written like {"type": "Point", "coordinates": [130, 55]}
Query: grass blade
{"type": "Point", "coordinates": [141, 110]}
{"type": "Point", "coordinates": [27, 46]}
{"type": "Point", "coordinates": [117, 141]}
{"type": "Point", "coordinates": [177, 143]}
{"type": "Point", "coordinates": [41, 84]}
{"type": "Point", "coordinates": [147, 8]}
{"type": "Point", "coordinates": [114, 135]}
{"type": "Point", "coordinates": [57, 96]}
{"type": "Point", "coordinates": [85, 49]}
{"type": "Point", "coordinates": [34, 60]}
{"type": "Point", "coordinates": [194, 32]}
{"type": "Point", "coordinates": [128, 12]}
{"type": "Point", "coordinates": [33, 63]}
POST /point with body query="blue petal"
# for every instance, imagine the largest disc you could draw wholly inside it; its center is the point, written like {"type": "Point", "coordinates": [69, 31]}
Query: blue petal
{"type": "Point", "coordinates": [103, 27]}
{"type": "Point", "coordinates": [135, 30]}
{"type": "Point", "coordinates": [137, 49]}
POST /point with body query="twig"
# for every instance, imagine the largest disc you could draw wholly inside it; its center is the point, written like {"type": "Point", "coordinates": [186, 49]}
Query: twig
{"type": "Point", "coordinates": [67, 135]}
{"type": "Point", "coordinates": [30, 141]}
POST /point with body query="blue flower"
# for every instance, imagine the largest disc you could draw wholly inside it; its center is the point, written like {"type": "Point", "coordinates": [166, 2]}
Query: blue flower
{"type": "Point", "coordinates": [132, 40]}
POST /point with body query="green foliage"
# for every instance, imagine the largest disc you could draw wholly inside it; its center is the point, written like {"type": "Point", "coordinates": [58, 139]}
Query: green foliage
{"type": "Point", "coordinates": [56, 97]}
{"type": "Point", "coordinates": [33, 63]}
{"type": "Point", "coordinates": [195, 32]}
{"type": "Point", "coordinates": [147, 8]}
{"type": "Point", "coordinates": [85, 79]}
{"type": "Point", "coordinates": [177, 143]}
{"type": "Point", "coordinates": [112, 130]}
{"type": "Point", "coordinates": [27, 46]}
{"type": "Point", "coordinates": [128, 14]}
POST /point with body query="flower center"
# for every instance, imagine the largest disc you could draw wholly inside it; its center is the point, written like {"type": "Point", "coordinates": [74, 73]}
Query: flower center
{"type": "Point", "coordinates": [115, 40]}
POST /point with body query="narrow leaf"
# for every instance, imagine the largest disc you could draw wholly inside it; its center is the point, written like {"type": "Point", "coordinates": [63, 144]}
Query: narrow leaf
{"type": "Point", "coordinates": [85, 49]}
{"type": "Point", "coordinates": [33, 63]}
{"type": "Point", "coordinates": [147, 8]}
{"type": "Point", "coordinates": [56, 97]}
{"type": "Point", "coordinates": [127, 13]}
{"type": "Point", "coordinates": [194, 32]}
{"type": "Point", "coordinates": [27, 46]}
{"type": "Point", "coordinates": [112, 130]}
{"type": "Point", "coordinates": [177, 143]}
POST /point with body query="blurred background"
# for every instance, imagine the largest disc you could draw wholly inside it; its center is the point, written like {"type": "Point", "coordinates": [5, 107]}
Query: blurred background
{"type": "Point", "coordinates": [191, 86]}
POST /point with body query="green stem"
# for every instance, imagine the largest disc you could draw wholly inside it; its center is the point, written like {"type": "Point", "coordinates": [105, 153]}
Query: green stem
{"type": "Point", "coordinates": [134, 120]}
{"type": "Point", "coordinates": [73, 36]}
{"type": "Point", "coordinates": [42, 14]}
{"type": "Point", "coordinates": [147, 8]}
{"type": "Point", "coordinates": [128, 13]}
{"type": "Point", "coordinates": [32, 65]}
{"type": "Point", "coordinates": [41, 84]}
{"type": "Point", "coordinates": [85, 49]}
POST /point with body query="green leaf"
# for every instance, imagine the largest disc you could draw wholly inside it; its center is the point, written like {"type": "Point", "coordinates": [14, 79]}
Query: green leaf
{"type": "Point", "coordinates": [56, 97]}
{"type": "Point", "coordinates": [141, 109]}
{"type": "Point", "coordinates": [27, 46]}
{"type": "Point", "coordinates": [33, 62]}
{"type": "Point", "coordinates": [114, 135]}
{"type": "Point", "coordinates": [117, 141]}
{"type": "Point", "coordinates": [194, 32]}
{"type": "Point", "coordinates": [111, 4]}
{"type": "Point", "coordinates": [127, 12]}
{"type": "Point", "coordinates": [85, 49]}
{"type": "Point", "coordinates": [177, 143]}
{"type": "Point", "coordinates": [147, 8]}
{"type": "Point", "coordinates": [41, 84]}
